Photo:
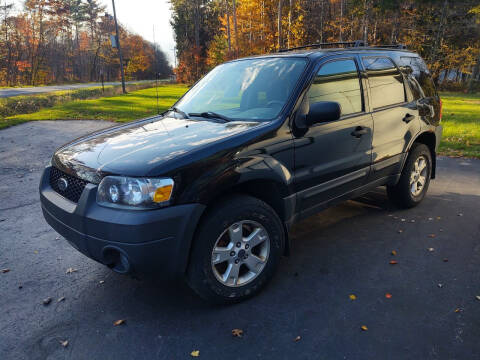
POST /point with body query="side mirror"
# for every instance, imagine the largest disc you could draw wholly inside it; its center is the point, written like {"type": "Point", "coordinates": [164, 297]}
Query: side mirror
{"type": "Point", "coordinates": [322, 111]}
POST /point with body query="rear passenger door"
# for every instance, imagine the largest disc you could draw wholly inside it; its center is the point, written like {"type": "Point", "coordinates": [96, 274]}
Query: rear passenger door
{"type": "Point", "coordinates": [395, 119]}
{"type": "Point", "coordinates": [332, 158]}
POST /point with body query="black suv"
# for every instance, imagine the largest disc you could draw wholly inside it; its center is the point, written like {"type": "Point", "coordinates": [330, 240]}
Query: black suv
{"type": "Point", "coordinates": [209, 190]}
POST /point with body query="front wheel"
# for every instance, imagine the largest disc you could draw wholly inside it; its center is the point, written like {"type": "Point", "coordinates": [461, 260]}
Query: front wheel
{"type": "Point", "coordinates": [236, 250]}
{"type": "Point", "coordinates": [414, 180]}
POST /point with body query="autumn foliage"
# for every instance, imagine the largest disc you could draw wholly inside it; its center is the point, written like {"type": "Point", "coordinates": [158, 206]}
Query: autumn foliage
{"type": "Point", "coordinates": [56, 41]}
{"type": "Point", "coordinates": [445, 32]}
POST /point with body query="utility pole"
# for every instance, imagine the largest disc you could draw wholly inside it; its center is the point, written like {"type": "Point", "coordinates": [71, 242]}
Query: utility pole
{"type": "Point", "coordinates": [119, 48]}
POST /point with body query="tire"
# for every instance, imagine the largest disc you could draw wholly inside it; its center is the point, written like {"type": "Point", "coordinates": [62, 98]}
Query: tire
{"type": "Point", "coordinates": [408, 193]}
{"type": "Point", "coordinates": [207, 272]}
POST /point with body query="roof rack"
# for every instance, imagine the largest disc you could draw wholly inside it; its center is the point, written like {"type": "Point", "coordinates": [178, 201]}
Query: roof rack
{"type": "Point", "coordinates": [392, 46]}
{"type": "Point", "coordinates": [356, 43]}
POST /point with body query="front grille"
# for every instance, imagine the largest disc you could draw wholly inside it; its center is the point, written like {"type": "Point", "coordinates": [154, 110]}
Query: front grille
{"type": "Point", "coordinates": [74, 188]}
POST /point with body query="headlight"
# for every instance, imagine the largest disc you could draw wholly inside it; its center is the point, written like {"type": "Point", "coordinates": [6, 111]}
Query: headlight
{"type": "Point", "coordinates": [134, 193]}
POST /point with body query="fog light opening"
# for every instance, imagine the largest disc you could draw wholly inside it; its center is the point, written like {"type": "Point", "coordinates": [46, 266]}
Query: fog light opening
{"type": "Point", "coordinates": [116, 260]}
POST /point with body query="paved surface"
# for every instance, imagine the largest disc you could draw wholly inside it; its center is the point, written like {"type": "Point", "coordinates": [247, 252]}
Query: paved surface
{"type": "Point", "coordinates": [344, 250]}
{"type": "Point", "coordinates": [9, 92]}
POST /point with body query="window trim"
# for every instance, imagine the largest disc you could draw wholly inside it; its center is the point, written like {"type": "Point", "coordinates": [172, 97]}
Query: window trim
{"type": "Point", "coordinates": [385, 107]}
{"type": "Point", "coordinates": [362, 91]}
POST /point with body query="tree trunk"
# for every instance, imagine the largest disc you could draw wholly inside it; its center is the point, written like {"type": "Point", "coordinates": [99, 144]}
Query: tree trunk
{"type": "Point", "coordinates": [289, 23]}
{"type": "Point", "coordinates": [196, 22]}
{"type": "Point", "coordinates": [229, 40]}
{"type": "Point", "coordinates": [235, 28]}
{"type": "Point", "coordinates": [279, 24]}
{"type": "Point", "coordinates": [340, 37]}
{"type": "Point", "coordinates": [473, 78]}
{"type": "Point", "coordinates": [366, 8]}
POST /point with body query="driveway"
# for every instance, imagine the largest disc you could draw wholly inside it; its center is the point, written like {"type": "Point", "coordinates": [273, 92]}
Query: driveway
{"type": "Point", "coordinates": [432, 313]}
{"type": "Point", "coordinates": [9, 92]}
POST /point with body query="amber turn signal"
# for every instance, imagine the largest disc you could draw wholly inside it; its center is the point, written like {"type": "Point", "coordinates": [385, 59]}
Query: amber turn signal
{"type": "Point", "coordinates": [163, 193]}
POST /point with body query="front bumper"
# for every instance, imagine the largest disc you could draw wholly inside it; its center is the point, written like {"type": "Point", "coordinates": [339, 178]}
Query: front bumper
{"type": "Point", "coordinates": [129, 241]}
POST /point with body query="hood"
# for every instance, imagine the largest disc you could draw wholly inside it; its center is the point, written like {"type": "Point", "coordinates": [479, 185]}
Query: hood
{"type": "Point", "coordinates": [139, 148]}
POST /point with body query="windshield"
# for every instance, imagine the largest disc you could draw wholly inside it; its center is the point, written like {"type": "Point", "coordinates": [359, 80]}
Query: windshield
{"type": "Point", "coordinates": [252, 89]}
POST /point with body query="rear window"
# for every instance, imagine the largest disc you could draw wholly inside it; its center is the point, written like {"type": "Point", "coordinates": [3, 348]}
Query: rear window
{"type": "Point", "coordinates": [421, 73]}
{"type": "Point", "coordinates": [386, 82]}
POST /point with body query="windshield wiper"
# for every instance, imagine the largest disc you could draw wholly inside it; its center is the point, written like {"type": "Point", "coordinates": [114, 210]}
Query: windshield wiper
{"type": "Point", "coordinates": [210, 115]}
{"type": "Point", "coordinates": [178, 111]}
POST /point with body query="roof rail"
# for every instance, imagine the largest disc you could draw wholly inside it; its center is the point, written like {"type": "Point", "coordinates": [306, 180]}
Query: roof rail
{"type": "Point", "coordinates": [356, 43]}
{"type": "Point", "coordinates": [392, 46]}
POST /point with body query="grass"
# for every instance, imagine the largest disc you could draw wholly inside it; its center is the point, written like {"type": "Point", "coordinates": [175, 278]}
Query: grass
{"type": "Point", "coordinates": [461, 114]}
{"type": "Point", "coordinates": [134, 105]}
{"type": "Point", "coordinates": [461, 125]}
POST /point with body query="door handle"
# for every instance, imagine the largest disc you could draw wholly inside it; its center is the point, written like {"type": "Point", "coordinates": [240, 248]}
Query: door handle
{"type": "Point", "coordinates": [408, 118]}
{"type": "Point", "coordinates": [359, 131]}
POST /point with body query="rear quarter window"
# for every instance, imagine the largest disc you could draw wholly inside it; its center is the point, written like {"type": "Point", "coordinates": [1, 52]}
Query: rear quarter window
{"type": "Point", "coordinates": [385, 80]}
{"type": "Point", "coordinates": [421, 73]}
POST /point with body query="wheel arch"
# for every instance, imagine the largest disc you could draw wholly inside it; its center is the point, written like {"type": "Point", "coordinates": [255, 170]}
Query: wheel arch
{"type": "Point", "coordinates": [429, 139]}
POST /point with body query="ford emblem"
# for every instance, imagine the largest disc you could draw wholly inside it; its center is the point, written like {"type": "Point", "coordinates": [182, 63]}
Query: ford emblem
{"type": "Point", "coordinates": [62, 184]}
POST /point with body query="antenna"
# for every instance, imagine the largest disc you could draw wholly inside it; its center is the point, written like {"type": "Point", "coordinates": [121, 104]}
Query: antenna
{"type": "Point", "coordinates": [156, 67]}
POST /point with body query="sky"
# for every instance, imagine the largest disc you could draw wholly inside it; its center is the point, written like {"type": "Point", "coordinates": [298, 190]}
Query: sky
{"type": "Point", "coordinates": [140, 16]}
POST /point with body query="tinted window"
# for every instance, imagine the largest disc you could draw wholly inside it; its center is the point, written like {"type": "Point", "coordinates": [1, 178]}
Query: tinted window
{"type": "Point", "coordinates": [338, 81]}
{"type": "Point", "coordinates": [386, 82]}
{"type": "Point", "coordinates": [421, 73]}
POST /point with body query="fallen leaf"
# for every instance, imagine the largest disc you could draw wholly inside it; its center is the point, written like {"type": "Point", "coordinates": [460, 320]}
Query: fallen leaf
{"type": "Point", "coordinates": [297, 338]}
{"type": "Point", "coordinates": [119, 322]}
{"type": "Point", "coordinates": [400, 231]}
{"type": "Point", "coordinates": [460, 214]}
{"type": "Point", "coordinates": [430, 219]}
{"type": "Point", "coordinates": [431, 249]}
{"type": "Point", "coordinates": [439, 218]}
{"type": "Point", "coordinates": [440, 285]}
{"type": "Point", "coordinates": [352, 297]}
{"type": "Point", "coordinates": [61, 299]}
{"type": "Point", "coordinates": [102, 281]}
{"type": "Point", "coordinates": [403, 220]}
{"type": "Point", "coordinates": [431, 235]}
{"type": "Point", "coordinates": [71, 270]}
{"type": "Point", "coordinates": [47, 301]}
{"type": "Point", "coordinates": [393, 262]}
{"type": "Point", "coordinates": [57, 238]}
{"type": "Point", "coordinates": [445, 260]}
{"type": "Point", "coordinates": [477, 297]}
{"type": "Point", "coordinates": [457, 310]}
{"type": "Point", "coordinates": [4, 271]}
{"type": "Point", "coordinates": [237, 332]}
{"type": "Point", "coordinates": [364, 328]}
{"type": "Point", "coordinates": [35, 251]}
{"type": "Point", "coordinates": [390, 214]}
{"type": "Point", "coordinates": [394, 252]}
{"type": "Point", "coordinates": [64, 343]}
{"type": "Point", "coordinates": [388, 295]}
{"type": "Point", "coordinates": [412, 221]}
{"type": "Point", "coordinates": [195, 353]}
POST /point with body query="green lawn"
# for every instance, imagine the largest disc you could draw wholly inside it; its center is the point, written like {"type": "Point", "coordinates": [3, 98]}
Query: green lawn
{"type": "Point", "coordinates": [134, 105]}
{"type": "Point", "coordinates": [461, 125]}
{"type": "Point", "coordinates": [461, 114]}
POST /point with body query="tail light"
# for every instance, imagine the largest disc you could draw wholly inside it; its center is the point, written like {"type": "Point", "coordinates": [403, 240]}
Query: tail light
{"type": "Point", "coordinates": [441, 109]}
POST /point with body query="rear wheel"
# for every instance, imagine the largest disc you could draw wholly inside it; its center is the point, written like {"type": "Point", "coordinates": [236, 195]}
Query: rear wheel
{"type": "Point", "coordinates": [413, 184]}
{"type": "Point", "coordinates": [236, 250]}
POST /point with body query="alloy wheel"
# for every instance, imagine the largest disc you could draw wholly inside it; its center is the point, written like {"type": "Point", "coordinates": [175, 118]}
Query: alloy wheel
{"type": "Point", "coordinates": [240, 253]}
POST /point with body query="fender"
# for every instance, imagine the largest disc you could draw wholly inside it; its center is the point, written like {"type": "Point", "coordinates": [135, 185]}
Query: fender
{"type": "Point", "coordinates": [425, 137]}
